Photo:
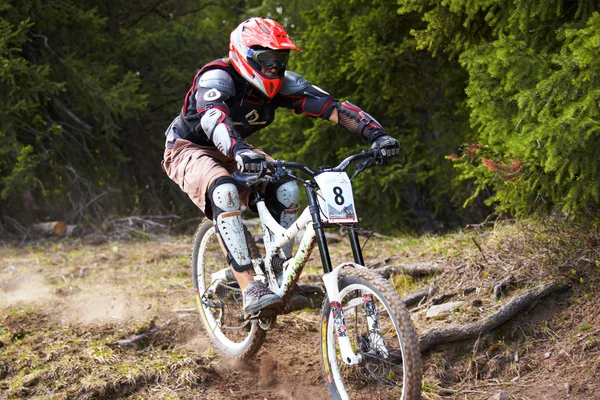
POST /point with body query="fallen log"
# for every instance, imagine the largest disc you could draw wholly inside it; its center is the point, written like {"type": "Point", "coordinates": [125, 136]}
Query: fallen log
{"type": "Point", "coordinates": [416, 269]}
{"type": "Point", "coordinates": [51, 228]}
{"type": "Point", "coordinates": [519, 304]}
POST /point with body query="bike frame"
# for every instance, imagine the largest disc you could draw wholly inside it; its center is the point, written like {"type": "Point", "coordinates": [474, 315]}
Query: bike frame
{"type": "Point", "coordinates": [275, 237]}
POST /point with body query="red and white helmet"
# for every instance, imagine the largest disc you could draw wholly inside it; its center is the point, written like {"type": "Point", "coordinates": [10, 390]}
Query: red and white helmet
{"type": "Point", "coordinates": [260, 42]}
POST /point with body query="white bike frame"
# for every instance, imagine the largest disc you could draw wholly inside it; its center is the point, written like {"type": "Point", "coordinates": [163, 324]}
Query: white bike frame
{"type": "Point", "coordinates": [275, 237]}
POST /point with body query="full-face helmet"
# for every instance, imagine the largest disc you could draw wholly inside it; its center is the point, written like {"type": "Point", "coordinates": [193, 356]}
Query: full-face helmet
{"type": "Point", "coordinates": [259, 49]}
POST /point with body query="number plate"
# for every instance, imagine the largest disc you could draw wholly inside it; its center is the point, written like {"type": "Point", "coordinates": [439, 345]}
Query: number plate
{"type": "Point", "coordinates": [337, 202]}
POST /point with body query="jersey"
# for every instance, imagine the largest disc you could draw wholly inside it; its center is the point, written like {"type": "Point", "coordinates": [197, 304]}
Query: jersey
{"type": "Point", "coordinates": [247, 108]}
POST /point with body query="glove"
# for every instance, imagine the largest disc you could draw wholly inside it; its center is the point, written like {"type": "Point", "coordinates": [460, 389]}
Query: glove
{"type": "Point", "coordinates": [386, 146]}
{"type": "Point", "coordinates": [249, 161]}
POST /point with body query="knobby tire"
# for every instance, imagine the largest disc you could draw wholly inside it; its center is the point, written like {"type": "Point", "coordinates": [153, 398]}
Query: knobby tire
{"type": "Point", "coordinates": [222, 317]}
{"type": "Point", "coordinates": [394, 376]}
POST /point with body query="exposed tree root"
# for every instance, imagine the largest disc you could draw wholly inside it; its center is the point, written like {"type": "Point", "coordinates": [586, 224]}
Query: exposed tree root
{"type": "Point", "coordinates": [501, 287]}
{"type": "Point", "coordinates": [520, 304]}
{"type": "Point", "coordinates": [314, 294]}
{"type": "Point", "coordinates": [416, 298]}
{"type": "Point", "coordinates": [142, 336]}
{"type": "Point", "coordinates": [416, 269]}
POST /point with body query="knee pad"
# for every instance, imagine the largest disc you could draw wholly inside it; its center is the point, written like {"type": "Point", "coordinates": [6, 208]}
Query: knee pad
{"type": "Point", "coordinates": [224, 196]}
{"type": "Point", "coordinates": [225, 200]}
{"type": "Point", "coordinates": [282, 200]}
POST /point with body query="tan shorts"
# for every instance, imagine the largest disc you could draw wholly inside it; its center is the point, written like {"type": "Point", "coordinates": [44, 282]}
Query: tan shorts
{"type": "Point", "coordinates": [195, 167]}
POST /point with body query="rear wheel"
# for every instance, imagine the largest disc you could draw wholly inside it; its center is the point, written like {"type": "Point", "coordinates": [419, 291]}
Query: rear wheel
{"type": "Point", "coordinates": [391, 361]}
{"type": "Point", "coordinates": [219, 301]}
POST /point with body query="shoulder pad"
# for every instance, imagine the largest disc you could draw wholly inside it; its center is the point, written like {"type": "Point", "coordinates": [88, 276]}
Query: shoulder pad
{"type": "Point", "coordinates": [293, 83]}
{"type": "Point", "coordinates": [217, 79]}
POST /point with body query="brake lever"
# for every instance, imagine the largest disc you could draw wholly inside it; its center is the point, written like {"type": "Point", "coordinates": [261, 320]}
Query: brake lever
{"type": "Point", "coordinates": [360, 167]}
{"type": "Point", "coordinates": [279, 172]}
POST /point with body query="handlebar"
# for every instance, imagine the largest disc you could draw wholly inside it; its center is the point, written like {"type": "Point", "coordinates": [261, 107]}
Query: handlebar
{"type": "Point", "coordinates": [279, 169]}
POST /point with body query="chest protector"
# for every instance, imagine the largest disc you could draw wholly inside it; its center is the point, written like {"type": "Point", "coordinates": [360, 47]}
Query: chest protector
{"type": "Point", "coordinates": [248, 109]}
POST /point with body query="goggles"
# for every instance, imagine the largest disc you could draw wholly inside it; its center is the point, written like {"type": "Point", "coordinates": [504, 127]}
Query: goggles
{"type": "Point", "coordinates": [269, 58]}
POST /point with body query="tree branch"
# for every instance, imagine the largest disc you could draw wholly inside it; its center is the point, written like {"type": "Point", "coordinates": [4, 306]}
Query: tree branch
{"type": "Point", "coordinates": [71, 115]}
{"type": "Point", "coordinates": [46, 45]}
{"type": "Point", "coordinates": [145, 13]}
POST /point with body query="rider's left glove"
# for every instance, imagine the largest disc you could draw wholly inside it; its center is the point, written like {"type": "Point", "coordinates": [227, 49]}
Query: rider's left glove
{"type": "Point", "coordinates": [386, 147]}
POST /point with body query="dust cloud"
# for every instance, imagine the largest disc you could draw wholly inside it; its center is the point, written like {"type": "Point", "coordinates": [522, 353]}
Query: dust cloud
{"type": "Point", "coordinates": [102, 304]}
{"type": "Point", "coordinates": [24, 289]}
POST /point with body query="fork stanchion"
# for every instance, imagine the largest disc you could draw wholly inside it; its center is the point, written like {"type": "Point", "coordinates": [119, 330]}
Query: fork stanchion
{"type": "Point", "coordinates": [313, 206]}
{"type": "Point", "coordinates": [355, 245]}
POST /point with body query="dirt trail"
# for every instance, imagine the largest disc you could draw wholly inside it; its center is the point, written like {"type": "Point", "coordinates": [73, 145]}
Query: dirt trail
{"type": "Point", "coordinates": [65, 305]}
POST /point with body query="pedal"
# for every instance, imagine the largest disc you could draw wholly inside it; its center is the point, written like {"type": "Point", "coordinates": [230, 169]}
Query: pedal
{"type": "Point", "coordinates": [267, 323]}
{"type": "Point", "coordinates": [264, 313]}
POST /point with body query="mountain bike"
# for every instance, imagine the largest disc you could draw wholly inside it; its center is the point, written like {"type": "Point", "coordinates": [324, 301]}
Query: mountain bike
{"type": "Point", "coordinates": [369, 347]}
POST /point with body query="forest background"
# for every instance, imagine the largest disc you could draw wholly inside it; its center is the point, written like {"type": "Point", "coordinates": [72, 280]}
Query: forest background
{"type": "Point", "coordinates": [496, 104]}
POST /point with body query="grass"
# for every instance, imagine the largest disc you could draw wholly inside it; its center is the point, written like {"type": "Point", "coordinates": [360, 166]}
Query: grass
{"type": "Point", "coordinates": [404, 284]}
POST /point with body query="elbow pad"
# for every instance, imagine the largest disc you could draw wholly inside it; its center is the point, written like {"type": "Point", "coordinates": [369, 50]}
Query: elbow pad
{"type": "Point", "coordinates": [219, 129]}
{"type": "Point", "coordinates": [358, 122]}
{"type": "Point", "coordinates": [311, 100]}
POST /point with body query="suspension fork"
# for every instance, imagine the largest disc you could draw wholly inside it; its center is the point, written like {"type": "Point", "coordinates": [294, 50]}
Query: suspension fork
{"type": "Point", "coordinates": [355, 245]}
{"type": "Point", "coordinates": [331, 280]}
{"type": "Point", "coordinates": [376, 341]}
{"type": "Point", "coordinates": [331, 277]}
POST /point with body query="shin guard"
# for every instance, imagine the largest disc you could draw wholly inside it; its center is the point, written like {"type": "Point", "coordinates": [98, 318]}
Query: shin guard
{"type": "Point", "coordinates": [225, 201]}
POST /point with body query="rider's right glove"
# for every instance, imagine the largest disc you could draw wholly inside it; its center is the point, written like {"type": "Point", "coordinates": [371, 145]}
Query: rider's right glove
{"type": "Point", "coordinates": [249, 161]}
{"type": "Point", "coordinates": [386, 147]}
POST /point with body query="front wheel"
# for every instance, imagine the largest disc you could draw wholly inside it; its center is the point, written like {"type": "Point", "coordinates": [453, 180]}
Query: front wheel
{"type": "Point", "coordinates": [218, 296]}
{"type": "Point", "coordinates": [381, 332]}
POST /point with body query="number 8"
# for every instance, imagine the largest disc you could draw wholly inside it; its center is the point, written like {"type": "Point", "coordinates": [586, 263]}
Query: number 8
{"type": "Point", "coordinates": [339, 199]}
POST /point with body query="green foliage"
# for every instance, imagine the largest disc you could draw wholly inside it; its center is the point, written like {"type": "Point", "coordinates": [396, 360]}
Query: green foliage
{"type": "Point", "coordinates": [22, 171]}
{"type": "Point", "coordinates": [62, 102]}
{"type": "Point", "coordinates": [533, 94]}
{"type": "Point", "coordinates": [24, 88]}
{"type": "Point", "coordinates": [87, 90]}
{"type": "Point", "coordinates": [362, 52]}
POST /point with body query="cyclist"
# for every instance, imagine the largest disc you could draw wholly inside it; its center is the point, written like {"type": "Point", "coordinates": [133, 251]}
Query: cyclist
{"type": "Point", "coordinates": [230, 99]}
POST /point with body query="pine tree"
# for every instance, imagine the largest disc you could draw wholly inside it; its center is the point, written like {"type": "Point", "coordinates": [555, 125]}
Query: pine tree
{"type": "Point", "coordinates": [88, 89]}
{"type": "Point", "coordinates": [533, 88]}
